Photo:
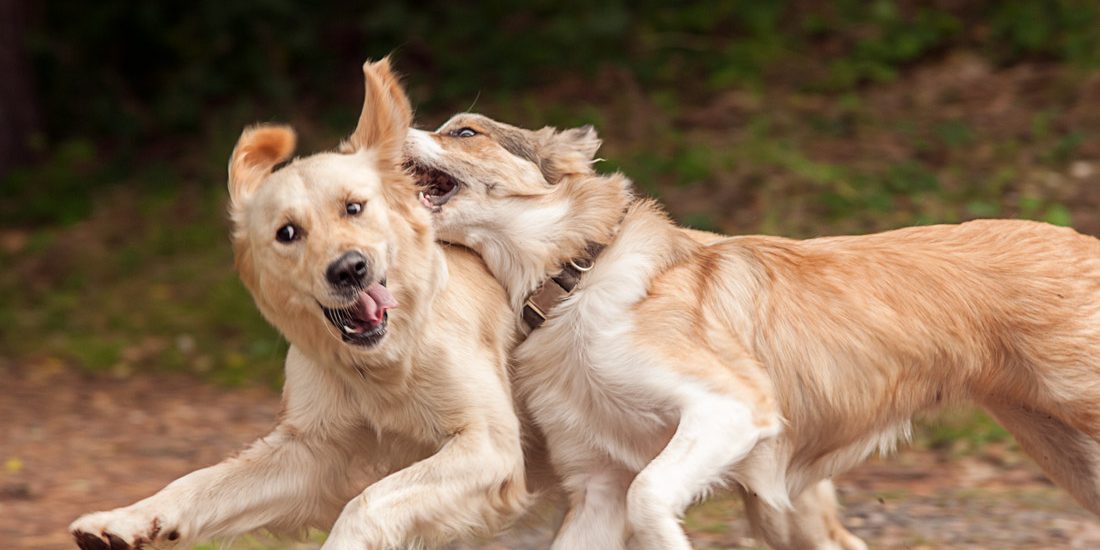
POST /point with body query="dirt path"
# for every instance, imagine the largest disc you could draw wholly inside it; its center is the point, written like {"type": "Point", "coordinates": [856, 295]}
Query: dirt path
{"type": "Point", "coordinates": [71, 443]}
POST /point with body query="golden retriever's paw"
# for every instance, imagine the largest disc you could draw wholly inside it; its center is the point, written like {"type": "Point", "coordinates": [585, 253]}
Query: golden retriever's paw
{"type": "Point", "coordinates": [122, 529]}
{"type": "Point", "coordinates": [849, 541]}
{"type": "Point", "coordinates": [355, 530]}
{"type": "Point", "coordinates": [342, 540]}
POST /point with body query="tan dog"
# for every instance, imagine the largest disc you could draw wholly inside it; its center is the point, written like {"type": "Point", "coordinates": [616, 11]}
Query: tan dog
{"type": "Point", "coordinates": [398, 423]}
{"type": "Point", "coordinates": [676, 365]}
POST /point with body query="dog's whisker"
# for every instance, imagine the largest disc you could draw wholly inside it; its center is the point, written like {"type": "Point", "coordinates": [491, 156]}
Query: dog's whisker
{"type": "Point", "coordinates": [329, 329]}
{"type": "Point", "coordinates": [344, 317]}
{"type": "Point", "coordinates": [476, 97]}
{"type": "Point", "coordinates": [333, 331]}
{"type": "Point", "coordinates": [339, 318]}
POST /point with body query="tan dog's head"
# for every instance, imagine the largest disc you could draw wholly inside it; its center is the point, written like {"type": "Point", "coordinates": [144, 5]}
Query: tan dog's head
{"type": "Point", "coordinates": [481, 177]}
{"type": "Point", "coordinates": [316, 239]}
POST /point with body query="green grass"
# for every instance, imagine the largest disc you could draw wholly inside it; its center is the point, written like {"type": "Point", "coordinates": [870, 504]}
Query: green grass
{"type": "Point", "coordinates": [265, 542]}
{"type": "Point", "coordinates": [139, 287]}
{"type": "Point", "coordinates": [714, 515]}
{"type": "Point", "coordinates": [961, 431]}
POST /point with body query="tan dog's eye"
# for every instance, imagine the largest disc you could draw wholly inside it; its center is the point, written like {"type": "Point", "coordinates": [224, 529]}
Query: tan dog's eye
{"type": "Point", "coordinates": [353, 208]}
{"type": "Point", "coordinates": [288, 233]}
{"type": "Point", "coordinates": [463, 132]}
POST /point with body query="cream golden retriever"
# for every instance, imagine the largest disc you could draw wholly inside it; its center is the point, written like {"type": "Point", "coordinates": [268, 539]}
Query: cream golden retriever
{"type": "Point", "coordinates": [681, 361]}
{"type": "Point", "coordinates": [398, 427]}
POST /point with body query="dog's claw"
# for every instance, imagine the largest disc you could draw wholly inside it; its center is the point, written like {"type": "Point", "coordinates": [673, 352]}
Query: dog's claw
{"type": "Point", "coordinates": [88, 541]}
{"type": "Point", "coordinates": [117, 543]}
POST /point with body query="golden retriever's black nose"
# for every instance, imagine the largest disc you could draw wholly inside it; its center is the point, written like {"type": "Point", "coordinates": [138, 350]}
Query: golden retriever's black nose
{"type": "Point", "coordinates": [348, 270]}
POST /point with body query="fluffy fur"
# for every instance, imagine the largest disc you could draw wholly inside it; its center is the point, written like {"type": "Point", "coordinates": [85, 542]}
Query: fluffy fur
{"type": "Point", "coordinates": [684, 360]}
{"type": "Point", "coordinates": [413, 440]}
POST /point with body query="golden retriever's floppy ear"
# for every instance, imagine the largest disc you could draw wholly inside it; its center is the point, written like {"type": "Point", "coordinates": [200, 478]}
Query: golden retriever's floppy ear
{"type": "Point", "coordinates": [567, 152]}
{"type": "Point", "coordinates": [386, 114]}
{"type": "Point", "coordinates": [258, 150]}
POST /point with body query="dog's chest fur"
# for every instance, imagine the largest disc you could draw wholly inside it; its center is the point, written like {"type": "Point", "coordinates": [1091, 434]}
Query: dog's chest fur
{"type": "Point", "coordinates": [582, 374]}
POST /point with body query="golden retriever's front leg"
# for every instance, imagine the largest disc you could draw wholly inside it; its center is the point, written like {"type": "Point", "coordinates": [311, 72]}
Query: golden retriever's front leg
{"type": "Point", "coordinates": [473, 484]}
{"type": "Point", "coordinates": [295, 476]}
{"type": "Point", "coordinates": [281, 481]}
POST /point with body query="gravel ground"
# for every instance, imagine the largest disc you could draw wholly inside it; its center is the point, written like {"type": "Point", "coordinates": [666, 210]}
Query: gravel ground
{"type": "Point", "coordinates": [73, 443]}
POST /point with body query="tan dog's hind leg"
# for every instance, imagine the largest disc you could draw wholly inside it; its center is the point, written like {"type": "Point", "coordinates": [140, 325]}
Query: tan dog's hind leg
{"type": "Point", "coordinates": [597, 513]}
{"type": "Point", "coordinates": [813, 524]}
{"type": "Point", "coordinates": [714, 433]}
{"type": "Point", "coordinates": [1069, 456]}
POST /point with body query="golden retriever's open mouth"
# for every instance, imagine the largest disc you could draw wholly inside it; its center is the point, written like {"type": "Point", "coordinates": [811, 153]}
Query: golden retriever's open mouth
{"type": "Point", "coordinates": [436, 186]}
{"type": "Point", "coordinates": [364, 321]}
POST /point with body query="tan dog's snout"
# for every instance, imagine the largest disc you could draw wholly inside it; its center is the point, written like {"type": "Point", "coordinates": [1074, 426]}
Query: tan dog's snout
{"type": "Point", "coordinates": [350, 270]}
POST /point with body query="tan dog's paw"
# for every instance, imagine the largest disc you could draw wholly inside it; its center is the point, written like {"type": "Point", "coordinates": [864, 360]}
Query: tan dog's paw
{"type": "Point", "coordinates": [121, 529]}
{"type": "Point", "coordinates": [355, 530]}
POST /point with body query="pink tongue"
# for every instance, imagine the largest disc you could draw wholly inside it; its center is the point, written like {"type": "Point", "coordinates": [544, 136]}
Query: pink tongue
{"type": "Point", "coordinates": [375, 301]}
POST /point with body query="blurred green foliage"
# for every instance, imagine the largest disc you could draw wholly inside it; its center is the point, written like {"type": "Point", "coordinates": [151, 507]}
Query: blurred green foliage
{"type": "Point", "coordinates": [120, 82]}
{"type": "Point", "coordinates": [791, 117]}
{"type": "Point", "coordinates": [132, 71]}
{"type": "Point", "coordinates": [962, 431]}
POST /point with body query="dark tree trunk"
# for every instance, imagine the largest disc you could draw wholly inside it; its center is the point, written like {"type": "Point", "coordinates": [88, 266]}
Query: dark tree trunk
{"type": "Point", "coordinates": [18, 109]}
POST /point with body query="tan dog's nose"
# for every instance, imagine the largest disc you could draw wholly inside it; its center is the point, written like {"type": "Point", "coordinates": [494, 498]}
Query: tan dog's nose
{"type": "Point", "coordinates": [349, 270]}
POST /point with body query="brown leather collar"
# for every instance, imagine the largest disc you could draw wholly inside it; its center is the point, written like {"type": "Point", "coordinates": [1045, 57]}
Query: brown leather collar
{"type": "Point", "coordinates": [555, 289]}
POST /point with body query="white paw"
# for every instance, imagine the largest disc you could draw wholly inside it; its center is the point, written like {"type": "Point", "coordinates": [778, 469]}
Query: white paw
{"type": "Point", "coordinates": [121, 529]}
{"type": "Point", "coordinates": [342, 538]}
{"type": "Point", "coordinates": [354, 530]}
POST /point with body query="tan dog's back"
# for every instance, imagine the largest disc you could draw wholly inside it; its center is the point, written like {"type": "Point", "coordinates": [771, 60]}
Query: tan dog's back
{"type": "Point", "coordinates": [946, 302]}
{"type": "Point", "coordinates": [856, 334]}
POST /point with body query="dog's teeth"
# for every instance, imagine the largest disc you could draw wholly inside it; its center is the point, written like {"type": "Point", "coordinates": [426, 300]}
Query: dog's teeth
{"type": "Point", "coordinates": [420, 195]}
{"type": "Point", "coordinates": [348, 329]}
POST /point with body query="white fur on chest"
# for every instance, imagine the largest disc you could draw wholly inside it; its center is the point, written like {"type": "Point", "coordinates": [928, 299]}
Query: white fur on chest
{"type": "Point", "coordinates": [584, 376]}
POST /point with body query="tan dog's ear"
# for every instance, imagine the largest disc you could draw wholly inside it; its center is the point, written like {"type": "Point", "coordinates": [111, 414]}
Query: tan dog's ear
{"type": "Point", "coordinates": [386, 114]}
{"type": "Point", "coordinates": [567, 152]}
{"type": "Point", "coordinates": [583, 140]}
{"type": "Point", "coordinates": [258, 150]}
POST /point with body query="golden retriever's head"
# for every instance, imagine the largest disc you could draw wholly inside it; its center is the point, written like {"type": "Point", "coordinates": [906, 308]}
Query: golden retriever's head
{"type": "Point", "coordinates": [480, 177]}
{"type": "Point", "coordinates": [315, 239]}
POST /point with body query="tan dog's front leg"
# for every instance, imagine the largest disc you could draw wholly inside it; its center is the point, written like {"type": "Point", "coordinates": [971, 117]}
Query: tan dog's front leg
{"type": "Point", "coordinates": [276, 482]}
{"type": "Point", "coordinates": [714, 433]}
{"type": "Point", "coordinates": [472, 484]}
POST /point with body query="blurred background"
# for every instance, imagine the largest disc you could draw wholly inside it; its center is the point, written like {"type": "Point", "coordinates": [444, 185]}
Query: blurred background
{"type": "Point", "coordinates": [122, 320]}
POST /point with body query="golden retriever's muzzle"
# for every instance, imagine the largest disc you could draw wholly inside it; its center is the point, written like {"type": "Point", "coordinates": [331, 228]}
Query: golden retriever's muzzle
{"type": "Point", "coordinates": [348, 271]}
{"type": "Point", "coordinates": [364, 320]}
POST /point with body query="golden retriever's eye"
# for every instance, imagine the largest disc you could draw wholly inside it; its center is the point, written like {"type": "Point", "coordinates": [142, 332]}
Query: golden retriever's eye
{"type": "Point", "coordinates": [353, 208]}
{"type": "Point", "coordinates": [288, 233]}
{"type": "Point", "coordinates": [464, 132]}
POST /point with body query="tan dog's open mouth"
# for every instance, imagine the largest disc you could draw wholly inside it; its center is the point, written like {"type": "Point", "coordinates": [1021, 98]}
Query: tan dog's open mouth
{"type": "Point", "coordinates": [364, 321]}
{"type": "Point", "coordinates": [436, 186]}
